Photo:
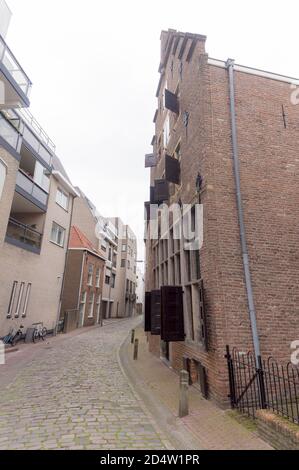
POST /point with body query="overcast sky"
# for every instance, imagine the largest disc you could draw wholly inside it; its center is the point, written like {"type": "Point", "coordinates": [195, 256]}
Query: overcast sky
{"type": "Point", "coordinates": [94, 67]}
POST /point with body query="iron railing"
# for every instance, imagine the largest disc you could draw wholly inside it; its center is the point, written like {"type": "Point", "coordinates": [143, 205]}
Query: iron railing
{"type": "Point", "coordinates": [14, 68]}
{"type": "Point", "coordinates": [266, 385]}
{"type": "Point", "coordinates": [24, 233]}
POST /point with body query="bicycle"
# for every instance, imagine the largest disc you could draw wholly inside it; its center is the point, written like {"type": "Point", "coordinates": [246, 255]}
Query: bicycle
{"type": "Point", "coordinates": [40, 332]}
{"type": "Point", "coordinates": [14, 336]}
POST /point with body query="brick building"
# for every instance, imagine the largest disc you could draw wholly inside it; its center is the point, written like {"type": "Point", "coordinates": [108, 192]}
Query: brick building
{"type": "Point", "coordinates": [83, 285]}
{"type": "Point", "coordinates": [196, 153]}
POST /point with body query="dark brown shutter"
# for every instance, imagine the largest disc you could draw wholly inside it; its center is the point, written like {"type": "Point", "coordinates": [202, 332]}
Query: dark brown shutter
{"type": "Point", "coordinates": [156, 312]}
{"type": "Point", "coordinates": [147, 211]}
{"type": "Point", "coordinates": [171, 102]}
{"type": "Point", "coordinates": [161, 192]}
{"type": "Point", "coordinates": [172, 169]}
{"type": "Point", "coordinates": [150, 160]}
{"type": "Point", "coordinates": [152, 194]}
{"type": "Point", "coordinates": [202, 377]}
{"type": "Point", "coordinates": [202, 317]}
{"type": "Point", "coordinates": [172, 313]}
{"type": "Point", "coordinates": [147, 312]}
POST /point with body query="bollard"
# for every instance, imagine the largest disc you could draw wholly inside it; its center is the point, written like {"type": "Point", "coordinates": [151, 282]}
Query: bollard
{"type": "Point", "coordinates": [132, 336]}
{"type": "Point", "coordinates": [2, 353]}
{"type": "Point", "coordinates": [136, 349]}
{"type": "Point", "coordinates": [184, 382]}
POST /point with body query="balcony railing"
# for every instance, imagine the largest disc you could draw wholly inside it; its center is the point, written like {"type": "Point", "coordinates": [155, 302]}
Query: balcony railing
{"type": "Point", "coordinates": [30, 187]}
{"type": "Point", "coordinates": [24, 234]}
{"type": "Point", "coordinates": [9, 133]}
{"type": "Point", "coordinates": [14, 68]}
{"type": "Point", "coordinates": [37, 128]}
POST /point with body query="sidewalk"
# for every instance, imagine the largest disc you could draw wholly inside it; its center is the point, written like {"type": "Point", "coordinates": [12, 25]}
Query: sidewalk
{"type": "Point", "coordinates": [206, 428]}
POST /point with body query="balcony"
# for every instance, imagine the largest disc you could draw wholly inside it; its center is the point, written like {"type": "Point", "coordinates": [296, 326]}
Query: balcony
{"type": "Point", "coordinates": [27, 187]}
{"type": "Point", "coordinates": [9, 133]}
{"type": "Point", "coordinates": [23, 236]}
{"type": "Point", "coordinates": [33, 129]}
{"type": "Point", "coordinates": [15, 85]}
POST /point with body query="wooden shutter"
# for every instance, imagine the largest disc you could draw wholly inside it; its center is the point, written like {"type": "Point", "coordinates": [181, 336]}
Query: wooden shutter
{"type": "Point", "coordinates": [172, 314]}
{"type": "Point", "coordinates": [171, 102]}
{"type": "Point", "coordinates": [152, 194]}
{"type": "Point", "coordinates": [147, 211]}
{"type": "Point", "coordinates": [150, 160]}
{"type": "Point", "coordinates": [202, 317]}
{"type": "Point", "coordinates": [161, 192]}
{"type": "Point", "coordinates": [202, 377]}
{"type": "Point", "coordinates": [172, 169]}
{"type": "Point", "coordinates": [155, 312]}
{"type": "Point", "coordinates": [147, 312]}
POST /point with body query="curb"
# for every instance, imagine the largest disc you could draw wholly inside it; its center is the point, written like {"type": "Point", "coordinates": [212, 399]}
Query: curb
{"type": "Point", "coordinates": [142, 405]}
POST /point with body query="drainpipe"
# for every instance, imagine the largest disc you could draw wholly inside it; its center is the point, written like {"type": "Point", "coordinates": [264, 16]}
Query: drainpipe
{"type": "Point", "coordinates": [246, 267]}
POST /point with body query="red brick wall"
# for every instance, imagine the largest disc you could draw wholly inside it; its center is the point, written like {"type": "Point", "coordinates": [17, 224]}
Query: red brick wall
{"type": "Point", "coordinates": [270, 187]}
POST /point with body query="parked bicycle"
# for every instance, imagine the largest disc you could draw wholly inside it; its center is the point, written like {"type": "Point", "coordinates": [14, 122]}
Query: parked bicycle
{"type": "Point", "coordinates": [40, 332]}
{"type": "Point", "coordinates": [14, 336]}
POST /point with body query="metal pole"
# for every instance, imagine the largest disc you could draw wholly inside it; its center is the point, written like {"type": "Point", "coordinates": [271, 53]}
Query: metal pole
{"type": "Point", "coordinates": [136, 343]}
{"type": "Point", "coordinates": [248, 283]}
{"type": "Point", "coordinates": [184, 383]}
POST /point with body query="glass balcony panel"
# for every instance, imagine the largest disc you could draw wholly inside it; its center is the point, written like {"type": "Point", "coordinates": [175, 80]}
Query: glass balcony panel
{"type": "Point", "coordinates": [13, 67]}
{"type": "Point", "coordinates": [40, 195]}
{"type": "Point", "coordinates": [23, 233]}
{"type": "Point", "coordinates": [31, 188]}
{"type": "Point", "coordinates": [46, 156]}
{"type": "Point", "coordinates": [36, 145]}
{"type": "Point", "coordinates": [8, 133]}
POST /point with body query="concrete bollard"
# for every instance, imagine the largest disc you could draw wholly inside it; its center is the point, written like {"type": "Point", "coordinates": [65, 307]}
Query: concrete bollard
{"type": "Point", "coordinates": [136, 349]}
{"type": "Point", "coordinates": [132, 336]}
{"type": "Point", "coordinates": [184, 384]}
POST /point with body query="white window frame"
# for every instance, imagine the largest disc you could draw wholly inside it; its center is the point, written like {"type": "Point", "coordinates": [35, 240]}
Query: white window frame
{"type": "Point", "coordinates": [26, 301]}
{"type": "Point", "coordinates": [166, 131]}
{"type": "Point", "coordinates": [98, 276]}
{"type": "Point", "coordinates": [91, 305]}
{"type": "Point", "coordinates": [124, 248]}
{"type": "Point", "coordinates": [99, 299]}
{"type": "Point", "coordinates": [62, 199]}
{"type": "Point", "coordinates": [57, 227]}
{"type": "Point", "coordinates": [12, 299]}
{"type": "Point", "coordinates": [20, 296]}
{"type": "Point", "coordinates": [90, 274]}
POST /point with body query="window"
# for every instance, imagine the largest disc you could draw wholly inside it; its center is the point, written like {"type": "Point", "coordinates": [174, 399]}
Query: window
{"type": "Point", "coordinates": [20, 296]}
{"type": "Point", "coordinates": [107, 280]}
{"type": "Point", "coordinates": [57, 234]}
{"type": "Point", "coordinates": [98, 308]}
{"type": "Point", "coordinates": [113, 280]}
{"type": "Point", "coordinates": [124, 247]}
{"type": "Point", "coordinates": [91, 304]}
{"type": "Point", "coordinates": [62, 199]}
{"type": "Point", "coordinates": [103, 245]}
{"type": "Point", "coordinates": [123, 263]}
{"type": "Point", "coordinates": [12, 299]}
{"type": "Point", "coordinates": [129, 264]}
{"type": "Point", "coordinates": [98, 277]}
{"type": "Point", "coordinates": [82, 306]}
{"type": "Point", "coordinates": [3, 171]}
{"type": "Point", "coordinates": [40, 176]}
{"type": "Point", "coordinates": [166, 131]}
{"type": "Point", "coordinates": [110, 254]}
{"type": "Point", "coordinates": [26, 301]}
{"type": "Point", "coordinates": [90, 275]}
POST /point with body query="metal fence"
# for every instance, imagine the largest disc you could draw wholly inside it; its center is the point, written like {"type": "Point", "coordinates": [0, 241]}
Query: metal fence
{"type": "Point", "coordinates": [266, 385]}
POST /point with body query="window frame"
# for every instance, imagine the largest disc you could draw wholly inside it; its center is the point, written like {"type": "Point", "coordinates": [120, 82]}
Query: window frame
{"type": "Point", "coordinates": [63, 194]}
{"type": "Point", "coordinates": [64, 233]}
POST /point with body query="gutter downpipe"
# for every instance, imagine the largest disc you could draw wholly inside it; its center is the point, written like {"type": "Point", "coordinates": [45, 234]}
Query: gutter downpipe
{"type": "Point", "coordinates": [246, 267]}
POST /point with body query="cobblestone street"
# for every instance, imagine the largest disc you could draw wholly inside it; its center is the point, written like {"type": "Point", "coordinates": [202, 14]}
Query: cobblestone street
{"type": "Point", "coordinates": [73, 395]}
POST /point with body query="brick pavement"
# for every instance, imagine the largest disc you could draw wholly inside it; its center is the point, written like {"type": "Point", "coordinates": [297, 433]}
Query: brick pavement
{"type": "Point", "coordinates": [207, 426]}
{"type": "Point", "coordinates": [72, 394]}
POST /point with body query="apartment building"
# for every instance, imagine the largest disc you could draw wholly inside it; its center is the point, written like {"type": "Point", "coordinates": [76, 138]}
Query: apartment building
{"type": "Point", "coordinates": [82, 290]}
{"type": "Point", "coordinates": [139, 292]}
{"type": "Point", "coordinates": [36, 199]}
{"type": "Point", "coordinates": [127, 246]}
{"type": "Point", "coordinates": [226, 136]}
{"type": "Point", "coordinates": [115, 242]}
